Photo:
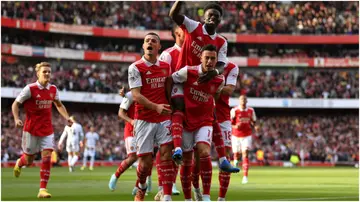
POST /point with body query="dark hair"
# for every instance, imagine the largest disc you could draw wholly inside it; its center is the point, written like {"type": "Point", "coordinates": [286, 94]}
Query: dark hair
{"type": "Point", "coordinates": [209, 47]}
{"type": "Point", "coordinates": [173, 31]}
{"type": "Point", "coordinates": [153, 33]}
{"type": "Point", "coordinates": [213, 6]}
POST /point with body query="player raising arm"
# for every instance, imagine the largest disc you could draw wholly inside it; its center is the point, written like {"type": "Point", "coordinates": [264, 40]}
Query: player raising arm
{"type": "Point", "coordinates": [38, 132]}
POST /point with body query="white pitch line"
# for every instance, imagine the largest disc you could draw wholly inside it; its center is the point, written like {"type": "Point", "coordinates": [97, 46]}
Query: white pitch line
{"type": "Point", "coordinates": [315, 198]}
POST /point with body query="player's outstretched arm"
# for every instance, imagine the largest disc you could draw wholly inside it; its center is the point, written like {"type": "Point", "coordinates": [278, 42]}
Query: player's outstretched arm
{"type": "Point", "coordinates": [175, 13]}
{"type": "Point", "coordinates": [15, 111]}
{"type": "Point", "coordinates": [61, 109]}
{"type": "Point", "coordinates": [160, 108]}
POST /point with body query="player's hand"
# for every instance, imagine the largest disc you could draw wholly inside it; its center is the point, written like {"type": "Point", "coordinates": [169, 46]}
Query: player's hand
{"type": "Point", "coordinates": [122, 92]}
{"type": "Point", "coordinates": [19, 123]}
{"type": "Point", "coordinates": [81, 144]}
{"type": "Point", "coordinates": [132, 122]}
{"type": "Point", "coordinates": [164, 109]}
{"type": "Point", "coordinates": [208, 76]}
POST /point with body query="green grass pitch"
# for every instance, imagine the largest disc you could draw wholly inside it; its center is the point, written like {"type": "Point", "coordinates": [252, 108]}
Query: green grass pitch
{"type": "Point", "coordinates": [265, 183]}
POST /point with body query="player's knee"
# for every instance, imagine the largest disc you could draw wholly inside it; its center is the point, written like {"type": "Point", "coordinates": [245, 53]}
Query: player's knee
{"type": "Point", "coordinates": [178, 103]}
{"type": "Point", "coordinates": [132, 158]}
{"type": "Point", "coordinates": [29, 159]}
{"type": "Point", "coordinates": [203, 149]}
{"type": "Point", "coordinates": [245, 153]}
{"type": "Point", "coordinates": [166, 152]}
{"type": "Point", "coordinates": [46, 153]}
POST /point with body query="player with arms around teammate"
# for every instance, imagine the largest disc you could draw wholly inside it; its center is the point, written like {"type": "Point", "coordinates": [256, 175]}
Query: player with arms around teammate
{"type": "Point", "coordinates": [199, 113]}
{"type": "Point", "coordinates": [243, 119]}
{"type": "Point", "coordinates": [196, 36]}
{"type": "Point", "coordinates": [38, 132]}
{"type": "Point", "coordinates": [91, 139]}
{"type": "Point", "coordinates": [75, 135]}
{"type": "Point", "coordinates": [147, 80]}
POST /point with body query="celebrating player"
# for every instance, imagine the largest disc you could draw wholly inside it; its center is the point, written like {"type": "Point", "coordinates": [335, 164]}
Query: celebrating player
{"type": "Point", "coordinates": [243, 118]}
{"type": "Point", "coordinates": [196, 36]}
{"type": "Point", "coordinates": [147, 80]}
{"type": "Point", "coordinates": [91, 138]}
{"type": "Point", "coordinates": [199, 100]}
{"type": "Point", "coordinates": [74, 134]}
{"type": "Point", "coordinates": [38, 132]}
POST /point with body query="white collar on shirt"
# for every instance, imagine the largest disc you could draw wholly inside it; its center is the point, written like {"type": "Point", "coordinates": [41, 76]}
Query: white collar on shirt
{"type": "Point", "coordinates": [177, 47]}
{"type": "Point", "coordinates": [246, 108]}
{"type": "Point", "coordinates": [206, 33]}
{"type": "Point", "coordinates": [147, 63]}
{"type": "Point", "coordinates": [201, 73]}
{"type": "Point", "coordinates": [42, 87]}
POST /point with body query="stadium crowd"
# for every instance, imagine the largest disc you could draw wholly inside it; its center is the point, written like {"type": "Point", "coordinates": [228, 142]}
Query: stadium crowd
{"type": "Point", "coordinates": [320, 137]}
{"type": "Point", "coordinates": [110, 77]}
{"type": "Point", "coordinates": [240, 17]}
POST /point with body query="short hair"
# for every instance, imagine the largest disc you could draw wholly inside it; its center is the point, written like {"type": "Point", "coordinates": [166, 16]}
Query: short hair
{"type": "Point", "coordinates": [154, 34]}
{"type": "Point", "coordinates": [72, 118]}
{"type": "Point", "coordinates": [214, 6]}
{"type": "Point", "coordinates": [175, 26]}
{"type": "Point", "coordinates": [209, 47]}
{"type": "Point", "coordinates": [41, 64]}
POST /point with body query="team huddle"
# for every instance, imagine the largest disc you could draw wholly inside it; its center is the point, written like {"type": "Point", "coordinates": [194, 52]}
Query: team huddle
{"type": "Point", "coordinates": [178, 103]}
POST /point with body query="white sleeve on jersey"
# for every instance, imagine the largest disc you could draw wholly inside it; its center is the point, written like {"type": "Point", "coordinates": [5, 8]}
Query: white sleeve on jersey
{"type": "Point", "coordinates": [253, 115]}
{"type": "Point", "coordinates": [232, 76]}
{"type": "Point", "coordinates": [222, 53]}
{"type": "Point", "coordinates": [24, 94]}
{"type": "Point", "coordinates": [180, 76]}
{"type": "Point", "coordinates": [190, 24]}
{"type": "Point", "coordinates": [81, 133]}
{"type": "Point", "coordinates": [165, 57]}
{"type": "Point", "coordinates": [64, 134]}
{"type": "Point", "coordinates": [232, 113]}
{"type": "Point", "coordinates": [56, 94]}
{"type": "Point", "coordinates": [134, 77]}
{"type": "Point", "coordinates": [127, 101]}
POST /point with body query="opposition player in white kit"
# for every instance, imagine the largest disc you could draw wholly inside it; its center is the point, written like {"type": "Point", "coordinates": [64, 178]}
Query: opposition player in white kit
{"type": "Point", "coordinates": [91, 138]}
{"type": "Point", "coordinates": [74, 135]}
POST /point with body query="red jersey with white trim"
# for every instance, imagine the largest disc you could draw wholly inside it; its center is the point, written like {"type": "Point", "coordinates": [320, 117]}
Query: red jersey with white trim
{"type": "Point", "coordinates": [151, 78]}
{"type": "Point", "coordinates": [196, 37]}
{"type": "Point", "coordinates": [171, 56]}
{"type": "Point", "coordinates": [231, 72]}
{"type": "Point", "coordinates": [245, 118]}
{"type": "Point", "coordinates": [38, 102]}
{"type": "Point", "coordinates": [199, 98]}
{"type": "Point", "coordinates": [128, 104]}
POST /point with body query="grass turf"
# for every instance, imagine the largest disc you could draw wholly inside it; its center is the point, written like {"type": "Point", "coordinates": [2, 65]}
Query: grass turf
{"type": "Point", "coordinates": [265, 183]}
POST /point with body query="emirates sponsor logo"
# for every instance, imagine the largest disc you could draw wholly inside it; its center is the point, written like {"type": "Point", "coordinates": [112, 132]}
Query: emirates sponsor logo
{"type": "Point", "coordinates": [199, 95]}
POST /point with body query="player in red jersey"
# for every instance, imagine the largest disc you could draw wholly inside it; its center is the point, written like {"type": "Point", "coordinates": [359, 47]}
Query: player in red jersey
{"type": "Point", "coordinates": [38, 132]}
{"type": "Point", "coordinates": [147, 79]}
{"type": "Point", "coordinates": [231, 72]}
{"type": "Point", "coordinates": [243, 119]}
{"type": "Point", "coordinates": [171, 56]}
{"type": "Point", "coordinates": [200, 104]}
{"type": "Point", "coordinates": [196, 36]}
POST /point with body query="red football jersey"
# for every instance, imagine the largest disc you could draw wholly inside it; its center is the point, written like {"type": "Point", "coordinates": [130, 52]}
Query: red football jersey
{"type": "Point", "coordinates": [199, 100]}
{"type": "Point", "coordinates": [171, 56]}
{"type": "Point", "coordinates": [244, 118]}
{"type": "Point", "coordinates": [37, 102]}
{"type": "Point", "coordinates": [151, 78]}
{"type": "Point", "coordinates": [231, 72]}
{"type": "Point", "coordinates": [196, 37]}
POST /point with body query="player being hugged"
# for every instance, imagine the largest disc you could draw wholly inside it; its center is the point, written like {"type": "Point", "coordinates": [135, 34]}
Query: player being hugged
{"type": "Point", "coordinates": [243, 120]}
{"type": "Point", "coordinates": [38, 132]}
{"type": "Point", "coordinates": [147, 80]}
{"type": "Point", "coordinates": [198, 35]}
{"type": "Point", "coordinates": [200, 104]}
{"type": "Point", "coordinates": [74, 134]}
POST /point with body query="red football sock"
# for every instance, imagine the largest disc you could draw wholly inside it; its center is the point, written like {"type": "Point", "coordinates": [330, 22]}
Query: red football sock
{"type": "Point", "coordinates": [45, 171]}
{"type": "Point", "coordinates": [158, 169]}
{"type": "Point", "coordinates": [245, 166]}
{"type": "Point", "coordinates": [141, 174]}
{"type": "Point", "coordinates": [167, 170]}
{"type": "Point", "coordinates": [177, 127]}
{"type": "Point", "coordinates": [124, 165]}
{"type": "Point", "coordinates": [195, 175]}
{"type": "Point", "coordinates": [224, 181]}
{"type": "Point", "coordinates": [185, 176]}
{"type": "Point", "coordinates": [206, 174]}
{"type": "Point", "coordinates": [218, 140]}
{"type": "Point", "coordinates": [176, 169]}
{"type": "Point", "coordinates": [23, 161]}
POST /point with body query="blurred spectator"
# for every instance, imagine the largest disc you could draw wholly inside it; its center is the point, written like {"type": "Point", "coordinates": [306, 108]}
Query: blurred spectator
{"type": "Point", "coordinates": [240, 17]}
